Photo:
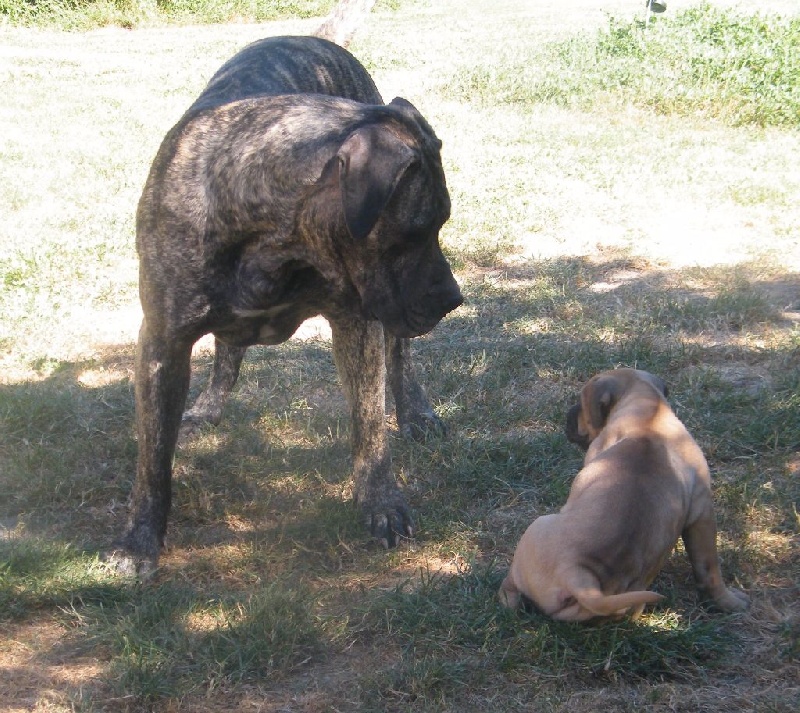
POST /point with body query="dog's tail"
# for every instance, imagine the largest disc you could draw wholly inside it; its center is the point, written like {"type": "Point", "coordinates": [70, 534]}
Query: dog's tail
{"type": "Point", "coordinates": [344, 20]}
{"type": "Point", "coordinates": [607, 604]}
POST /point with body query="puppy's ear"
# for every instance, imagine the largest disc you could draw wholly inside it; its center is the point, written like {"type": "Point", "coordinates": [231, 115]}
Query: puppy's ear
{"type": "Point", "coordinates": [372, 160]}
{"type": "Point", "coordinates": [598, 398]}
{"type": "Point", "coordinates": [658, 383]}
{"type": "Point", "coordinates": [661, 385]}
{"type": "Point", "coordinates": [573, 428]}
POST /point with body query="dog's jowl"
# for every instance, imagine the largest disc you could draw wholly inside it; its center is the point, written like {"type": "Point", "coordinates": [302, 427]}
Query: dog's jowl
{"type": "Point", "coordinates": [644, 484]}
{"type": "Point", "coordinates": [287, 190]}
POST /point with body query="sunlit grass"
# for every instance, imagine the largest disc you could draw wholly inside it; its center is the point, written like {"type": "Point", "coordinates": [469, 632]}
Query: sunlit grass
{"type": "Point", "coordinates": [75, 15]}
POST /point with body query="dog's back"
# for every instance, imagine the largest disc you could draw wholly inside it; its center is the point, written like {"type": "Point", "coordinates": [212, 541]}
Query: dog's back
{"type": "Point", "coordinates": [289, 65]}
{"type": "Point", "coordinates": [631, 503]}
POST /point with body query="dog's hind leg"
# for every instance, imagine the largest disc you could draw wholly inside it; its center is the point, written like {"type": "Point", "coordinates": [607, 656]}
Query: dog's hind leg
{"type": "Point", "coordinates": [700, 540]}
{"type": "Point", "coordinates": [415, 417]}
{"type": "Point", "coordinates": [208, 407]}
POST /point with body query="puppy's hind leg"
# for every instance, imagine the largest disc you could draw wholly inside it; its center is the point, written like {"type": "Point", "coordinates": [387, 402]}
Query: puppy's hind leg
{"type": "Point", "coordinates": [508, 594]}
{"type": "Point", "coordinates": [700, 540]}
{"type": "Point", "coordinates": [207, 409]}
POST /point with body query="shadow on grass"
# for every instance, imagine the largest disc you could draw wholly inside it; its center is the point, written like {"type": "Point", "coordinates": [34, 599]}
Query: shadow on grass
{"type": "Point", "coordinates": [262, 497]}
{"type": "Point", "coordinates": [453, 637]}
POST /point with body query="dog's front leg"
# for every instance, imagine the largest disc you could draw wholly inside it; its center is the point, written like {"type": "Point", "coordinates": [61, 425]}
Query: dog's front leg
{"type": "Point", "coordinates": [162, 381]}
{"type": "Point", "coordinates": [358, 349]}
{"type": "Point", "coordinates": [207, 409]}
{"type": "Point", "coordinates": [415, 417]}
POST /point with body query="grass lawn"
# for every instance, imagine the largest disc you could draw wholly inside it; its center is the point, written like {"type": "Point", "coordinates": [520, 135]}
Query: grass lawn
{"type": "Point", "coordinates": [621, 196]}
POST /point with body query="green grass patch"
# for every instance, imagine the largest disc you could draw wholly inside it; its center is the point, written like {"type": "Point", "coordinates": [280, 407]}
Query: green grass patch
{"type": "Point", "coordinates": [87, 14]}
{"type": "Point", "coordinates": [41, 424]}
{"type": "Point", "coordinates": [703, 61]}
{"type": "Point", "coordinates": [455, 641]}
{"type": "Point", "coordinates": [38, 576]}
{"type": "Point", "coordinates": [171, 640]}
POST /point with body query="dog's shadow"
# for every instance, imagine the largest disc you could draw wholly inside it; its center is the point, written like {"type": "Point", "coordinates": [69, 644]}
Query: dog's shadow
{"type": "Point", "coordinates": [502, 372]}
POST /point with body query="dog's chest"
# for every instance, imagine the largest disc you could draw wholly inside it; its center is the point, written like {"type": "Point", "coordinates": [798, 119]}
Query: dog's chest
{"type": "Point", "coordinates": [264, 306]}
{"type": "Point", "coordinates": [268, 326]}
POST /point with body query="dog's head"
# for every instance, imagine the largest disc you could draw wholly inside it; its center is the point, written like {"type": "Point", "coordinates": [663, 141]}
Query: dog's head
{"type": "Point", "coordinates": [598, 398]}
{"type": "Point", "coordinates": [394, 201]}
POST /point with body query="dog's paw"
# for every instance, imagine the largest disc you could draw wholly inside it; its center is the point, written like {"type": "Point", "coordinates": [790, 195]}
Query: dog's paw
{"type": "Point", "coordinates": [732, 600]}
{"type": "Point", "coordinates": [509, 596]}
{"type": "Point", "coordinates": [135, 555]}
{"type": "Point", "coordinates": [420, 426]}
{"type": "Point", "coordinates": [191, 427]}
{"type": "Point", "coordinates": [125, 565]}
{"type": "Point", "coordinates": [389, 525]}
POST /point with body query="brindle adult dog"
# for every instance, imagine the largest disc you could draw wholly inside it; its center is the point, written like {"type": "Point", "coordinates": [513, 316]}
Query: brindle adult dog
{"type": "Point", "coordinates": [287, 190]}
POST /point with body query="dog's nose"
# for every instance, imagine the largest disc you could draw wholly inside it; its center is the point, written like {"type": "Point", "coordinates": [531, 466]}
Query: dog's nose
{"type": "Point", "coordinates": [446, 295]}
{"type": "Point", "coordinates": [456, 300]}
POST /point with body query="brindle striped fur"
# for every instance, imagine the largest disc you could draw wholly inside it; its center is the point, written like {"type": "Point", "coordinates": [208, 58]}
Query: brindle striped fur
{"type": "Point", "coordinates": [288, 189]}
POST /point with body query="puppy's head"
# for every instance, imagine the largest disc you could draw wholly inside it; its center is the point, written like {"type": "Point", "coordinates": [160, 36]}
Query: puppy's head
{"type": "Point", "coordinates": [599, 396]}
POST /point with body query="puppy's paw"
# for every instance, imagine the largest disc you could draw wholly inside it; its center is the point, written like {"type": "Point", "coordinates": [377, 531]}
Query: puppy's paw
{"type": "Point", "coordinates": [732, 600]}
{"type": "Point", "coordinates": [508, 595]}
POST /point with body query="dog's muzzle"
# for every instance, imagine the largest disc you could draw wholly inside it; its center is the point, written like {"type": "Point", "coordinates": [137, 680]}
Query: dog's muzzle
{"type": "Point", "coordinates": [424, 314]}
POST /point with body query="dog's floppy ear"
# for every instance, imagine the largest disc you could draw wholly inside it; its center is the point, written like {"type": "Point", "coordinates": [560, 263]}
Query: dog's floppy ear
{"type": "Point", "coordinates": [573, 430]}
{"type": "Point", "coordinates": [411, 113]}
{"type": "Point", "coordinates": [598, 398]}
{"type": "Point", "coordinates": [406, 108]}
{"type": "Point", "coordinates": [372, 160]}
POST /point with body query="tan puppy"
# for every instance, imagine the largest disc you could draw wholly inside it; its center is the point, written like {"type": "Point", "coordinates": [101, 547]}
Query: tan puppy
{"type": "Point", "coordinates": [644, 483]}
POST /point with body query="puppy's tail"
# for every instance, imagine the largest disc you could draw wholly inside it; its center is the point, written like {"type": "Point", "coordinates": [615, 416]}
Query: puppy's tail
{"type": "Point", "coordinates": [607, 604]}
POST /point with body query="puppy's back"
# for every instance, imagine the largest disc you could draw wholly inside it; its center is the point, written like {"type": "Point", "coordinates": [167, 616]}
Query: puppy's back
{"type": "Point", "coordinates": [629, 500]}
